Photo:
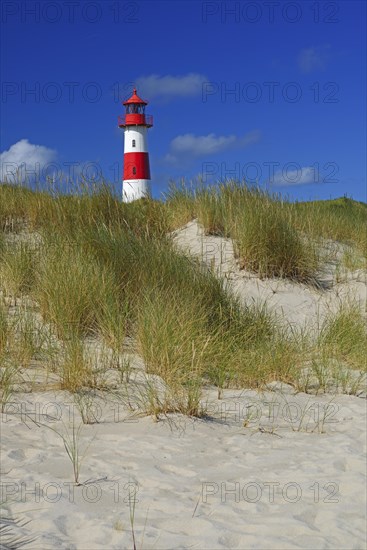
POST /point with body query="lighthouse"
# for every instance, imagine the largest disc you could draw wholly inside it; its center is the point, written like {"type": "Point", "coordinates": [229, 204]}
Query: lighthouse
{"type": "Point", "coordinates": [136, 176]}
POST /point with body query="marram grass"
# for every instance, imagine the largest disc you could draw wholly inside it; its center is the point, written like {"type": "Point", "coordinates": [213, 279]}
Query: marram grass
{"type": "Point", "coordinates": [106, 270]}
{"type": "Point", "coordinates": [266, 239]}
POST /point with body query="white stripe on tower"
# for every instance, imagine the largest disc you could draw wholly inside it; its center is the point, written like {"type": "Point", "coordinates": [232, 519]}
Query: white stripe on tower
{"type": "Point", "coordinates": [135, 139]}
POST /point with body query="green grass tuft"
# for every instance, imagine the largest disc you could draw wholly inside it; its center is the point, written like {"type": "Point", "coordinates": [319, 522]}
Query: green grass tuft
{"type": "Point", "coordinates": [92, 267]}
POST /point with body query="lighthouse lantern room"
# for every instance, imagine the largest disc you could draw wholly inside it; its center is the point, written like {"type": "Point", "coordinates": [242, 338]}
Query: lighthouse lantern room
{"type": "Point", "coordinates": [136, 176]}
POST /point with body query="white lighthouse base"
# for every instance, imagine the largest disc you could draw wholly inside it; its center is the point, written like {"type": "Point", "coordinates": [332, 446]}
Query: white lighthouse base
{"type": "Point", "coordinates": [133, 190]}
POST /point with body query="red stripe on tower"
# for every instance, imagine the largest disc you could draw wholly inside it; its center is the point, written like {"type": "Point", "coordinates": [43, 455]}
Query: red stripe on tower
{"type": "Point", "coordinates": [136, 174]}
{"type": "Point", "coordinates": [136, 166]}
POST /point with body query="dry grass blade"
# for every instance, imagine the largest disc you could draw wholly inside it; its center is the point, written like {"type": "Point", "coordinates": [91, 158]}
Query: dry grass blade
{"type": "Point", "coordinates": [10, 538]}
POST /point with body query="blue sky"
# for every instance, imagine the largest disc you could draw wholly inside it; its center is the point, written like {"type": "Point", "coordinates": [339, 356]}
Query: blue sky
{"type": "Point", "coordinates": [273, 92]}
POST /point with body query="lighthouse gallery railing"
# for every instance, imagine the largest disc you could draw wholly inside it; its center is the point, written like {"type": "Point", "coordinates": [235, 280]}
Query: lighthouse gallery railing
{"type": "Point", "coordinates": [130, 118]}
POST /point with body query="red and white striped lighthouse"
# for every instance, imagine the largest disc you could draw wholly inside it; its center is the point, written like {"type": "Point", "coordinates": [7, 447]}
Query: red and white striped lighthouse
{"type": "Point", "coordinates": [136, 177]}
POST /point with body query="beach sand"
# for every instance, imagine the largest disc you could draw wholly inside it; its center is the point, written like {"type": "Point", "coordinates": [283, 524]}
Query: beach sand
{"type": "Point", "coordinates": [276, 483]}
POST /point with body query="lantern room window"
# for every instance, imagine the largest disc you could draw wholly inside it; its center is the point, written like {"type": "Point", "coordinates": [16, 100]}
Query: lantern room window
{"type": "Point", "coordinates": [135, 109]}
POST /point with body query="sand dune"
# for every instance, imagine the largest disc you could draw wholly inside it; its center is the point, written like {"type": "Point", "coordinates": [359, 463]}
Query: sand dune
{"type": "Point", "coordinates": [297, 303]}
{"type": "Point", "coordinates": [268, 470]}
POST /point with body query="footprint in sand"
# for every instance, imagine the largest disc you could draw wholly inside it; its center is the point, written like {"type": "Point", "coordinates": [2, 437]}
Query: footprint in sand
{"type": "Point", "coordinates": [17, 455]}
{"type": "Point", "coordinates": [180, 472]}
{"type": "Point", "coordinates": [230, 540]}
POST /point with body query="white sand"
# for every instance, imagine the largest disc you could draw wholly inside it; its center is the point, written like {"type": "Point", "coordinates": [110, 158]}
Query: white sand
{"type": "Point", "coordinates": [185, 470]}
{"type": "Point", "coordinates": [292, 477]}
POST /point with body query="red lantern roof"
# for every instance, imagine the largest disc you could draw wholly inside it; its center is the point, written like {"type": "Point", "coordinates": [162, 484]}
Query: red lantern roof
{"type": "Point", "coordinates": [135, 99]}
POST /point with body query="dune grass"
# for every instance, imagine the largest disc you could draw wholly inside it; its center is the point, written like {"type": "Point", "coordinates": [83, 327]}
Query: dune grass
{"type": "Point", "coordinates": [2, 244]}
{"type": "Point", "coordinates": [273, 235]}
{"type": "Point", "coordinates": [4, 330]}
{"type": "Point", "coordinates": [106, 270]}
{"type": "Point", "coordinates": [71, 287]}
{"type": "Point", "coordinates": [344, 336]}
{"type": "Point", "coordinates": [343, 220]}
{"type": "Point", "coordinates": [13, 207]}
{"type": "Point", "coordinates": [17, 269]}
{"type": "Point", "coordinates": [267, 241]}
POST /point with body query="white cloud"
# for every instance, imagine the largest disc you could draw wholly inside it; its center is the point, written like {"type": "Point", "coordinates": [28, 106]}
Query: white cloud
{"type": "Point", "coordinates": [23, 161]}
{"type": "Point", "coordinates": [315, 58]}
{"type": "Point", "coordinates": [200, 146]}
{"type": "Point", "coordinates": [169, 87]}
{"type": "Point", "coordinates": [299, 176]}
